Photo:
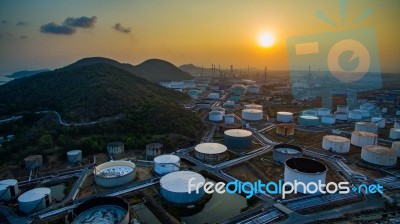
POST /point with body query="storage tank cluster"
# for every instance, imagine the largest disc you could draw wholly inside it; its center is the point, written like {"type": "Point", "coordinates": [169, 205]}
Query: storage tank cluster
{"type": "Point", "coordinates": [253, 89]}
{"type": "Point", "coordinates": [285, 129]}
{"type": "Point", "coordinates": [33, 162]}
{"type": "Point", "coordinates": [210, 152]}
{"type": "Point", "coordinates": [34, 200]}
{"type": "Point", "coordinates": [114, 173]}
{"type": "Point", "coordinates": [361, 138]}
{"type": "Point", "coordinates": [309, 121]}
{"type": "Point", "coordinates": [215, 116]}
{"type": "Point", "coordinates": [238, 138]}
{"type": "Point", "coordinates": [335, 143]}
{"type": "Point", "coordinates": [366, 126]}
{"type": "Point", "coordinates": [101, 210]}
{"type": "Point", "coordinates": [229, 119]}
{"type": "Point", "coordinates": [166, 164]}
{"type": "Point", "coordinates": [252, 114]}
{"type": "Point", "coordinates": [115, 148]}
{"type": "Point", "coordinates": [396, 146]}
{"type": "Point", "coordinates": [175, 188]}
{"type": "Point", "coordinates": [304, 170]}
{"type": "Point", "coordinates": [153, 150]}
{"type": "Point", "coordinates": [380, 121]}
{"type": "Point", "coordinates": [394, 133]}
{"type": "Point", "coordinates": [74, 156]}
{"type": "Point", "coordinates": [283, 152]}
{"type": "Point", "coordinates": [8, 189]}
{"type": "Point", "coordinates": [379, 155]}
{"type": "Point", "coordinates": [285, 117]}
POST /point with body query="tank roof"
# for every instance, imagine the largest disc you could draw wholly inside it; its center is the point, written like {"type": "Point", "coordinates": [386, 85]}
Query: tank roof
{"type": "Point", "coordinates": [379, 149]}
{"type": "Point", "coordinates": [252, 111]}
{"type": "Point", "coordinates": [215, 112]}
{"type": "Point", "coordinates": [114, 171]}
{"type": "Point", "coordinates": [8, 182]}
{"type": "Point", "coordinates": [179, 181]}
{"type": "Point", "coordinates": [74, 152]}
{"type": "Point", "coordinates": [305, 165]}
{"type": "Point", "coordinates": [285, 113]}
{"type": "Point", "coordinates": [34, 194]}
{"type": "Point", "coordinates": [166, 159]}
{"type": "Point", "coordinates": [33, 157]}
{"type": "Point", "coordinates": [101, 215]}
{"type": "Point", "coordinates": [210, 148]}
{"type": "Point", "coordinates": [366, 123]}
{"type": "Point", "coordinates": [336, 138]}
{"type": "Point", "coordinates": [238, 133]}
{"type": "Point", "coordinates": [309, 117]}
{"type": "Point", "coordinates": [364, 133]}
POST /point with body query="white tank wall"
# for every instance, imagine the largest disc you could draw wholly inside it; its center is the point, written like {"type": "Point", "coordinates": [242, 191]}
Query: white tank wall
{"type": "Point", "coordinates": [8, 189]}
{"type": "Point", "coordinates": [229, 119]}
{"type": "Point", "coordinates": [336, 146]}
{"type": "Point", "coordinates": [382, 159]}
{"type": "Point", "coordinates": [380, 121]}
{"type": "Point", "coordinates": [252, 114]}
{"type": "Point", "coordinates": [394, 133]}
{"type": "Point", "coordinates": [396, 146]}
{"type": "Point", "coordinates": [215, 116]}
{"type": "Point", "coordinates": [115, 148]}
{"type": "Point", "coordinates": [33, 162]}
{"type": "Point", "coordinates": [285, 117]}
{"type": "Point", "coordinates": [29, 206]}
{"type": "Point", "coordinates": [74, 156]}
{"type": "Point", "coordinates": [291, 175]}
{"type": "Point", "coordinates": [115, 181]}
{"type": "Point", "coordinates": [360, 140]}
{"type": "Point", "coordinates": [366, 126]}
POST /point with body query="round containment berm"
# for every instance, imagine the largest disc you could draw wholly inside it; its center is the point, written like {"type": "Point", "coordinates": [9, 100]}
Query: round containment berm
{"type": "Point", "coordinates": [33, 162]}
{"type": "Point", "coordinates": [309, 121]}
{"type": "Point", "coordinates": [153, 150]}
{"type": "Point", "coordinates": [210, 152]}
{"type": "Point", "coordinates": [34, 200]}
{"type": "Point", "coordinates": [74, 156]}
{"type": "Point", "coordinates": [252, 114]}
{"type": "Point", "coordinates": [361, 138]}
{"type": "Point", "coordinates": [285, 117]}
{"type": "Point", "coordinates": [115, 148]}
{"type": "Point", "coordinates": [114, 173]}
{"type": "Point", "coordinates": [283, 152]}
{"type": "Point", "coordinates": [379, 155]}
{"type": "Point", "coordinates": [166, 164]}
{"type": "Point", "coordinates": [237, 138]}
{"type": "Point", "coordinates": [366, 126]}
{"type": "Point", "coordinates": [8, 189]}
{"type": "Point", "coordinates": [100, 210]}
{"type": "Point", "coordinates": [396, 146]}
{"type": "Point", "coordinates": [180, 187]}
{"type": "Point", "coordinates": [306, 171]}
{"type": "Point", "coordinates": [336, 143]}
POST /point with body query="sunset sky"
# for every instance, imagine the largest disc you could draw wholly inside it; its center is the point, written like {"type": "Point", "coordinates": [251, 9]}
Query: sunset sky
{"type": "Point", "coordinates": [37, 34]}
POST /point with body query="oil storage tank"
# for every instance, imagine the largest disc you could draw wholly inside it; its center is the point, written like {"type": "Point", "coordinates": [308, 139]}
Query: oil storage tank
{"type": "Point", "coordinates": [355, 115]}
{"type": "Point", "coordinates": [309, 121]}
{"type": "Point", "coordinates": [310, 112]}
{"type": "Point", "coordinates": [394, 133]}
{"type": "Point", "coordinates": [252, 114]}
{"type": "Point", "coordinates": [285, 117]}
{"type": "Point", "coordinates": [215, 116]}
{"type": "Point", "coordinates": [114, 173]}
{"type": "Point", "coordinates": [379, 155]}
{"type": "Point", "coordinates": [336, 143]}
{"type": "Point", "coordinates": [323, 111]}
{"type": "Point", "coordinates": [166, 164]}
{"type": "Point", "coordinates": [328, 119]}
{"type": "Point", "coordinates": [34, 200]}
{"type": "Point", "coordinates": [396, 146]}
{"type": "Point", "coordinates": [100, 210]}
{"type": "Point", "coordinates": [8, 189]}
{"type": "Point", "coordinates": [380, 121]}
{"type": "Point", "coordinates": [74, 156]}
{"type": "Point", "coordinates": [285, 129]}
{"type": "Point", "coordinates": [341, 116]}
{"type": "Point", "coordinates": [237, 138]}
{"type": "Point", "coordinates": [306, 171]}
{"type": "Point", "coordinates": [33, 162]}
{"type": "Point", "coordinates": [229, 119]}
{"type": "Point", "coordinates": [153, 149]}
{"type": "Point", "coordinates": [283, 152]}
{"type": "Point", "coordinates": [210, 152]}
{"type": "Point", "coordinates": [366, 126]}
{"type": "Point", "coordinates": [115, 148]}
{"type": "Point", "coordinates": [175, 188]}
{"type": "Point", "coordinates": [361, 138]}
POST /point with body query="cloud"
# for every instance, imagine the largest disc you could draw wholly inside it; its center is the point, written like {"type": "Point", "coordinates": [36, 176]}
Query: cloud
{"type": "Point", "coordinates": [23, 36]}
{"type": "Point", "coordinates": [83, 22]}
{"type": "Point", "coordinates": [121, 29]}
{"type": "Point", "coordinates": [57, 29]}
{"type": "Point", "coordinates": [22, 23]}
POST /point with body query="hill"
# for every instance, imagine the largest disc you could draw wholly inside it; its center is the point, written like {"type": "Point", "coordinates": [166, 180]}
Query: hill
{"type": "Point", "coordinates": [21, 74]}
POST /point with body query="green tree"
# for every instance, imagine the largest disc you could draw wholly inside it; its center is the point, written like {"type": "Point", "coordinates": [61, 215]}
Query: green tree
{"type": "Point", "coordinates": [46, 141]}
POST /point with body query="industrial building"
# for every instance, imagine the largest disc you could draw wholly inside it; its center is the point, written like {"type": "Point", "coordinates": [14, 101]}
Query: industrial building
{"type": "Point", "coordinates": [306, 171]}
{"type": "Point", "coordinates": [252, 114]}
{"type": "Point", "coordinates": [101, 210]}
{"type": "Point", "coordinates": [34, 200]}
{"type": "Point", "coordinates": [283, 152]}
{"type": "Point", "coordinates": [396, 146]}
{"type": "Point", "coordinates": [335, 143]}
{"type": "Point", "coordinates": [309, 121]}
{"type": "Point", "coordinates": [361, 138]}
{"type": "Point", "coordinates": [174, 187]}
{"type": "Point", "coordinates": [114, 173]}
{"type": "Point", "coordinates": [210, 152]}
{"type": "Point", "coordinates": [379, 155]}
{"type": "Point", "coordinates": [8, 189]}
{"type": "Point", "coordinates": [33, 162]}
{"type": "Point", "coordinates": [153, 150]}
{"type": "Point", "coordinates": [394, 133]}
{"type": "Point", "coordinates": [215, 116]}
{"type": "Point", "coordinates": [166, 164]}
{"type": "Point", "coordinates": [328, 119]}
{"type": "Point", "coordinates": [285, 117]}
{"type": "Point", "coordinates": [74, 156]}
{"type": "Point", "coordinates": [285, 129]}
{"type": "Point", "coordinates": [115, 148]}
{"type": "Point", "coordinates": [237, 138]}
{"type": "Point", "coordinates": [366, 126]}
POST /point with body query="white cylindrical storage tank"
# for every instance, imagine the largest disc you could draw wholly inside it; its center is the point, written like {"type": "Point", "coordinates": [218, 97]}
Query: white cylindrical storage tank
{"type": "Point", "coordinates": [342, 109]}
{"type": "Point", "coordinates": [283, 152]}
{"type": "Point", "coordinates": [220, 109]}
{"type": "Point", "coordinates": [323, 111]}
{"type": "Point", "coordinates": [335, 143]}
{"type": "Point", "coordinates": [366, 126]}
{"type": "Point", "coordinates": [380, 121]}
{"type": "Point", "coordinates": [341, 116]}
{"type": "Point", "coordinates": [213, 96]}
{"type": "Point", "coordinates": [114, 173]}
{"type": "Point", "coordinates": [307, 171]}
{"type": "Point", "coordinates": [396, 146]}
{"type": "Point", "coordinates": [364, 113]}
{"type": "Point", "coordinates": [285, 117]}
{"type": "Point", "coordinates": [74, 156]}
{"type": "Point", "coordinates": [355, 115]}
{"type": "Point", "coordinates": [210, 152]}
{"type": "Point", "coordinates": [115, 148]}
{"type": "Point", "coordinates": [34, 200]}
{"type": "Point", "coordinates": [309, 120]}
{"type": "Point", "coordinates": [328, 119]}
{"type": "Point", "coordinates": [237, 138]}
{"type": "Point", "coordinates": [229, 103]}
{"type": "Point", "coordinates": [252, 114]}
{"type": "Point", "coordinates": [166, 164]}
{"type": "Point", "coordinates": [379, 155]}
{"type": "Point", "coordinates": [253, 89]}
{"type": "Point", "coordinates": [253, 106]}
{"type": "Point", "coordinates": [229, 119]}
{"type": "Point", "coordinates": [180, 187]}
{"type": "Point", "coordinates": [215, 116]}
{"type": "Point", "coordinates": [394, 133]}
{"type": "Point", "coordinates": [309, 113]}
{"type": "Point", "coordinates": [361, 138]}
{"type": "Point", "coordinates": [153, 150]}
{"type": "Point", "coordinates": [8, 189]}
{"type": "Point", "coordinates": [33, 162]}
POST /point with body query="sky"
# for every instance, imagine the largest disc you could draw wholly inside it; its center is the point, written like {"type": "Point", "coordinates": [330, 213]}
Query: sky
{"type": "Point", "coordinates": [39, 34]}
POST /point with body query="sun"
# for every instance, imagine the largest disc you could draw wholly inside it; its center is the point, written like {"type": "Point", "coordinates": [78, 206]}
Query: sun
{"type": "Point", "coordinates": [266, 40]}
